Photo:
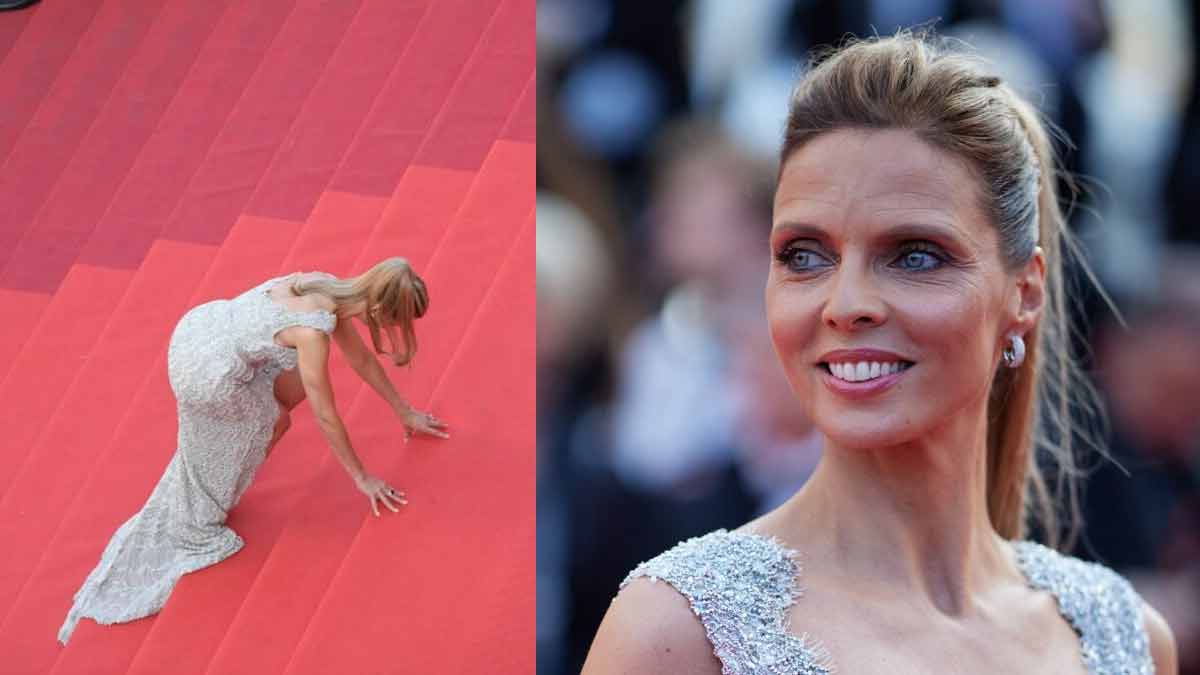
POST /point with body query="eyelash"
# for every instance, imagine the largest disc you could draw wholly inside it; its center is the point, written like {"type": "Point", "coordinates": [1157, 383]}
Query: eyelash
{"type": "Point", "coordinates": [789, 250]}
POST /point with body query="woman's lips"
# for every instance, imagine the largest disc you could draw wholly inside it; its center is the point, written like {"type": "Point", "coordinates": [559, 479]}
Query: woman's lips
{"type": "Point", "coordinates": [865, 388]}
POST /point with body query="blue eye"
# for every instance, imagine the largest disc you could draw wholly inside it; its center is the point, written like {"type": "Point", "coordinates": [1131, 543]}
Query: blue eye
{"type": "Point", "coordinates": [917, 259]}
{"type": "Point", "coordinates": [800, 259]}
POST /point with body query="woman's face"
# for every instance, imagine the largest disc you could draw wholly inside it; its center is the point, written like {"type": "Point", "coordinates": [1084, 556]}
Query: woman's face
{"type": "Point", "coordinates": [879, 243]}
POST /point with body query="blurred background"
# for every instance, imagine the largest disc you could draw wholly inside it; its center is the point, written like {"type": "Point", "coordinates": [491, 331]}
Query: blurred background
{"type": "Point", "coordinates": [662, 411]}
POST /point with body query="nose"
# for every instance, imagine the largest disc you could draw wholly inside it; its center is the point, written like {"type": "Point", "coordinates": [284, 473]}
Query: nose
{"type": "Point", "coordinates": [854, 301]}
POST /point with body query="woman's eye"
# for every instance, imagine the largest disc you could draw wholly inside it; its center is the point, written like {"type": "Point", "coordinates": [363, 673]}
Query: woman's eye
{"type": "Point", "coordinates": [919, 260]}
{"type": "Point", "coordinates": [801, 259]}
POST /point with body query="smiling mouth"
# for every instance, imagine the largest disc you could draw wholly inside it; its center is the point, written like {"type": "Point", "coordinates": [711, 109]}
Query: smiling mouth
{"type": "Point", "coordinates": [864, 371]}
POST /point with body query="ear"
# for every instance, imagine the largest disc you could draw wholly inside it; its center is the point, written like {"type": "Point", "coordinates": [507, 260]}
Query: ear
{"type": "Point", "coordinates": [1029, 294]}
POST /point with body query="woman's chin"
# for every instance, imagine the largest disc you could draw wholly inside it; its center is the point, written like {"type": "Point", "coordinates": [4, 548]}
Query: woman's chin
{"type": "Point", "coordinates": [863, 431]}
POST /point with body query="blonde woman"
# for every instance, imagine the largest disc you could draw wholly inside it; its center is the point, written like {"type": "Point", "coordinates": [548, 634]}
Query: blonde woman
{"type": "Point", "coordinates": [237, 368]}
{"type": "Point", "coordinates": [915, 301]}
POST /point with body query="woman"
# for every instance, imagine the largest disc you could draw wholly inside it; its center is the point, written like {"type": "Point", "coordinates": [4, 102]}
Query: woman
{"type": "Point", "coordinates": [237, 368]}
{"type": "Point", "coordinates": [915, 301]}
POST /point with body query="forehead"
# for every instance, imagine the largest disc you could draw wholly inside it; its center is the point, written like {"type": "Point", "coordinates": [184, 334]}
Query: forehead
{"type": "Point", "coordinates": [876, 175]}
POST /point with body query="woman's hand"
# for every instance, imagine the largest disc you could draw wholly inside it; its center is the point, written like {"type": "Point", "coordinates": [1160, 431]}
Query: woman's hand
{"type": "Point", "coordinates": [416, 421]}
{"type": "Point", "coordinates": [375, 489]}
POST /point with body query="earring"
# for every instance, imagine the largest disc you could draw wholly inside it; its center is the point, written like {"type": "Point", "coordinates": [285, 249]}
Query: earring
{"type": "Point", "coordinates": [1014, 353]}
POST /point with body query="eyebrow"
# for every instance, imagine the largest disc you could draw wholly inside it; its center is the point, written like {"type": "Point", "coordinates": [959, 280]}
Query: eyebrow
{"type": "Point", "coordinates": [894, 233]}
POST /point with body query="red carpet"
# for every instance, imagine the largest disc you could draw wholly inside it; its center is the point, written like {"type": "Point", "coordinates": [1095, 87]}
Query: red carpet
{"type": "Point", "coordinates": [156, 154]}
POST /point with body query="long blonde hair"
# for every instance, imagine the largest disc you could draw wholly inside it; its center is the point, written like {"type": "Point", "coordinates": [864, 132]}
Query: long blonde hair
{"type": "Point", "coordinates": [912, 81]}
{"type": "Point", "coordinates": [394, 295]}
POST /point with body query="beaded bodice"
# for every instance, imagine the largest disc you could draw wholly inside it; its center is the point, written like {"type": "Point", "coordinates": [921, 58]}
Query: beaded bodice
{"type": "Point", "coordinates": [740, 586]}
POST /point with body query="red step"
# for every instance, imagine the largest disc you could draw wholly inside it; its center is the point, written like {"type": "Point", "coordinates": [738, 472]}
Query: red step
{"type": "Point", "coordinates": [49, 556]}
{"type": "Point", "coordinates": [11, 27]}
{"type": "Point", "coordinates": [46, 367]}
{"type": "Point", "coordinates": [259, 124]}
{"type": "Point", "coordinates": [488, 93]}
{"type": "Point", "coordinates": [423, 81]}
{"type": "Point", "coordinates": [50, 35]}
{"type": "Point", "coordinates": [66, 112]}
{"type": "Point", "coordinates": [380, 35]}
{"type": "Point", "coordinates": [80, 195]}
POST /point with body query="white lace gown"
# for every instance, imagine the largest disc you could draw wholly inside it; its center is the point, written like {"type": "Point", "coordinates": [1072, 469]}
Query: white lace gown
{"type": "Point", "coordinates": [222, 362]}
{"type": "Point", "coordinates": [741, 585]}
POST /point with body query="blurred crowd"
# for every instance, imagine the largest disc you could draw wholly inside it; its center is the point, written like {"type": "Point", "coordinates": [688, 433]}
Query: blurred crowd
{"type": "Point", "coordinates": [662, 411]}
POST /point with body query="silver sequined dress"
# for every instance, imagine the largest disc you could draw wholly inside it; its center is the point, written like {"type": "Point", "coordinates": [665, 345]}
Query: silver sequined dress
{"type": "Point", "coordinates": [222, 362]}
{"type": "Point", "coordinates": [740, 586]}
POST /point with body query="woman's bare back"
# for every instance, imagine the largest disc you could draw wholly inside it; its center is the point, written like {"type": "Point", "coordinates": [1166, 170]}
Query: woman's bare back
{"type": "Point", "coordinates": [312, 302]}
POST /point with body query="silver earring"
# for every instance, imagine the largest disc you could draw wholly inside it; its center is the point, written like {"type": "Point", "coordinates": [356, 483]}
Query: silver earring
{"type": "Point", "coordinates": [1014, 353]}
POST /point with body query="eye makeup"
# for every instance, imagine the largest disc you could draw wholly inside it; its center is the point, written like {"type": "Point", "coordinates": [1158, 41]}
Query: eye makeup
{"type": "Point", "coordinates": [813, 251]}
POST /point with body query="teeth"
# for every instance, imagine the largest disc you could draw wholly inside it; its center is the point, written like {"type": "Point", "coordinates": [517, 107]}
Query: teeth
{"type": "Point", "coordinates": [863, 370]}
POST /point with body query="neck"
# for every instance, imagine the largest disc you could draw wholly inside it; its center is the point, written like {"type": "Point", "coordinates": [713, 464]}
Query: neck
{"type": "Point", "coordinates": [910, 518]}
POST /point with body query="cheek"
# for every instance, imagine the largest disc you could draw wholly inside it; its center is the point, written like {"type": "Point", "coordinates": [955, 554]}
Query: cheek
{"type": "Point", "coordinates": [792, 318]}
{"type": "Point", "coordinates": [941, 325]}
{"type": "Point", "coordinates": [952, 328]}
{"type": "Point", "coordinates": [951, 333]}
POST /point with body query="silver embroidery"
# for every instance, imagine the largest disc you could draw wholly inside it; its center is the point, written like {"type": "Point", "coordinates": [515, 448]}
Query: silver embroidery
{"type": "Point", "coordinates": [222, 361]}
{"type": "Point", "coordinates": [1101, 605]}
{"type": "Point", "coordinates": [741, 585]}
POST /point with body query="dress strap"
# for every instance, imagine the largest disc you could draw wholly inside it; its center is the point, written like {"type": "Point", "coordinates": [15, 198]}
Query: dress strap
{"type": "Point", "coordinates": [740, 586]}
{"type": "Point", "coordinates": [1101, 605]}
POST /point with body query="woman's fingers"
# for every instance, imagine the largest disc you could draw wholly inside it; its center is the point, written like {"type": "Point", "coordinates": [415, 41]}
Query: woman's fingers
{"type": "Point", "coordinates": [393, 497]}
{"type": "Point", "coordinates": [424, 429]}
{"type": "Point", "coordinates": [436, 428]}
{"type": "Point", "coordinates": [432, 431]}
{"type": "Point", "coordinates": [390, 498]}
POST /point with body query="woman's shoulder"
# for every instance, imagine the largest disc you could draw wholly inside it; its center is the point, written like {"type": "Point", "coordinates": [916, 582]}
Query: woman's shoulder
{"type": "Point", "coordinates": [653, 627]}
{"type": "Point", "coordinates": [650, 628]}
{"type": "Point", "coordinates": [1102, 605]}
{"type": "Point", "coordinates": [723, 598]}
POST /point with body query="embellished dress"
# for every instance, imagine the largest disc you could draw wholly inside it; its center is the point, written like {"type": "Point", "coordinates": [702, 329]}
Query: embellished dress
{"type": "Point", "coordinates": [222, 362]}
{"type": "Point", "coordinates": [740, 586]}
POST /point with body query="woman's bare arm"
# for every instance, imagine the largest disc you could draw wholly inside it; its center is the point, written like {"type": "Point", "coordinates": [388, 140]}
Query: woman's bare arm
{"type": "Point", "coordinates": [1162, 642]}
{"type": "Point", "coordinates": [373, 374]}
{"type": "Point", "coordinates": [312, 346]}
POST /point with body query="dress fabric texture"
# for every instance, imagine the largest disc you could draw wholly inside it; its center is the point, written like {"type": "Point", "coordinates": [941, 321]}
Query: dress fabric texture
{"type": "Point", "coordinates": [740, 586]}
{"type": "Point", "coordinates": [222, 362]}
